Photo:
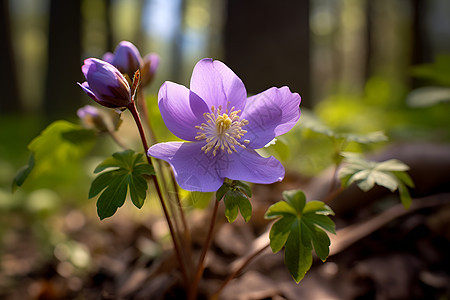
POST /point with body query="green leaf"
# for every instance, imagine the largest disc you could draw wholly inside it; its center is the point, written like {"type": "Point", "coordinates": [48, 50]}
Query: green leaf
{"type": "Point", "coordinates": [198, 200]}
{"type": "Point", "coordinates": [405, 178]}
{"type": "Point", "coordinates": [297, 256]}
{"type": "Point", "coordinates": [405, 197]}
{"type": "Point", "coordinates": [129, 172]}
{"type": "Point", "coordinates": [243, 187]}
{"type": "Point", "coordinates": [280, 209]}
{"type": "Point", "coordinates": [112, 197]}
{"type": "Point", "coordinates": [236, 201]}
{"type": "Point", "coordinates": [392, 165]}
{"type": "Point", "coordinates": [312, 122]}
{"type": "Point", "coordinates": [368, 138]}
{"type": "Point", "coordinates": [222, 191]}
{"type": "Point", "coordinates": [58, 148]}
{"type": "Point", "coordinates": [390, 174]}
{"type": "Point", "coordinates": [439, 71]}
{"type": "Point", "coordinates": [295, 199]}
{"type": "Point", "coordinates": [100, 183]}
{"type": "Point", "coordinates": [23, 173]}
{"type": "Point", "coordinates": [299, 229]}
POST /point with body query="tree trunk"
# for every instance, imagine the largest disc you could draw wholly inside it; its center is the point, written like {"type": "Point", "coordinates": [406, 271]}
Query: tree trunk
{"type": "Point", "coordinates": [63, 96]}
{"type": "Point", "coordinates": [267, 44]}
{"type": "Point", "coordinates": [10, 99]}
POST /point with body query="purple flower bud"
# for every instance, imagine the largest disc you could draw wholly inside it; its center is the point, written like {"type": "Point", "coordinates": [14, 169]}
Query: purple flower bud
{"type": "Point", "coordinates": [105, 84]}
{"type": "Point", "coordinates": [91, 118]}
{"type": "Point", "coordinates": [108, 57]}
{"type": "Point", "coordinates": [126, 58]}
{"type": "Point", "coordinates": [87, 111]}
{"type": "Point", "coordinates": [151, 62]}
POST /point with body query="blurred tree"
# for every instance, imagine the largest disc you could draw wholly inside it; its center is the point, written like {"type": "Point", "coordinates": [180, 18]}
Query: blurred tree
{"type": "Point", "coordinates": [108, 23]}
{"type": "Point", "coordinates": [421, 48]}
{"type": "Point", "coordinates": [63, 95]}
{"type": "Point", "coordinates": [10, 99]}
{"type": "Point", "coordinates": [267, 44]}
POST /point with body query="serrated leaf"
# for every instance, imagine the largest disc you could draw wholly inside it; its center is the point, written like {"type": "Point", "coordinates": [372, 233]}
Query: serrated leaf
{"type": "Point", "coordinates": [235, 201]}
{"type": "Point", "coordinates": [299, 229]}
{"type": "Point", "coordinates": [129, 171]}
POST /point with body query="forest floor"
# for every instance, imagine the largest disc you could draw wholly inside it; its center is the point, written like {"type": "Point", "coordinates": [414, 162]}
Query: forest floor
{"type": "Point", "coordinates": [381, 251]}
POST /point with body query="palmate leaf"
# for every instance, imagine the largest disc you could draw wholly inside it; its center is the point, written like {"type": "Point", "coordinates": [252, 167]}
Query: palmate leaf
{"type": "Point", "coordinates": [391, 174]}
{"type": "Point", "coordinates": [129, 170]}
{"type": "Point", "coordinates": [300, 229]}
{"type": "Point", "coordinates": [235, 195]}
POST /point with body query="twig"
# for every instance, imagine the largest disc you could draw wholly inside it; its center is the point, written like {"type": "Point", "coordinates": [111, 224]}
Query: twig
{"type": "Point", "coordinates": [349, 235]}
{"type": "Point", "coordinates": [236, 272]}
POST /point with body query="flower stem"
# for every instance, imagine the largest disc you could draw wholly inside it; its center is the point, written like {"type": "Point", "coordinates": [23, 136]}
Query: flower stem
{"type": "Point", "coordinates": [133, 110]}
{"type": "Point", "coordinates": [198, 274]}
{"type": "Point", "coordinates": [237, 271]}
{"type": "Point", "coordinates": [186, 238]}
{"type": "Point", "coordinates": [143, 109]}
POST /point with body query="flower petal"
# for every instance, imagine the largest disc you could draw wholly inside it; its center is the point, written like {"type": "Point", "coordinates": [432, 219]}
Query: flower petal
{"type": "Point", "coordinates": [87, 90]}
{"type": "Point", "coordinates": [249, 166]}
{"type": "Point", "coordinates": [270, 114]}
{"type": "Point", "coordinates": [194, 171]}
{"type": "Point", "coordinates": [108, 57]}
{"type": "Point", "coordinates": [181, 110]}
{"type": "Point", "coordinates": [88, 63]}
{"type": "Point", "coordinates": [127, 58]}
{"type": "Point", "coordinates": [217, 84]}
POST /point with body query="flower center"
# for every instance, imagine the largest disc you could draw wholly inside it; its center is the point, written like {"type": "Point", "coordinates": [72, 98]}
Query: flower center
{"type": "Point", "coordinates": [222, 130]}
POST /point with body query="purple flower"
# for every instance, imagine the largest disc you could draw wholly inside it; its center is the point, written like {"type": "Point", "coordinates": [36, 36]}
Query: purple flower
{"type": "Point", "coordinates": [126, 58]}
{"type": "Point", "coordinates": [151, 62]}
{"type": "Point", "coordinates": [88, 111]}
{"type": "Point", "coordinates": [91, 118]}
{"type": "Point", "coordinates": [105, 84]}
{"type": "Point", "coordinates": [222, 128]}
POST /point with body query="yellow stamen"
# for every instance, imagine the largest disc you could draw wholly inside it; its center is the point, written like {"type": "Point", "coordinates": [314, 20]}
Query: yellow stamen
{"type": "Point", "coordinates": [222, 130]}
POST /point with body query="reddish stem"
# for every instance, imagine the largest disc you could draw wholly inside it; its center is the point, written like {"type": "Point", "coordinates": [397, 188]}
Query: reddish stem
{"type": "Point", "coordinates": [132, 108]}
{"type": "Point", "coordinates": [198, 275]}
